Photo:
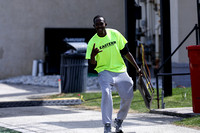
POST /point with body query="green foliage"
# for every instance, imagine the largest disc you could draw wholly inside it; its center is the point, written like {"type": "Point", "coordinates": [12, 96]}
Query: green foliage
{"type": "Point", "coordinates": [190, 122]}
{"type": "Point", "coordinates": [6, 130]}
{"type": "Point", "coordinates": [181, 97]}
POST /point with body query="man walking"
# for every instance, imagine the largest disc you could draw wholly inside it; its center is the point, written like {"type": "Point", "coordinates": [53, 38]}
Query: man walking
{"type": "Point", "coordinates": [105, 49]}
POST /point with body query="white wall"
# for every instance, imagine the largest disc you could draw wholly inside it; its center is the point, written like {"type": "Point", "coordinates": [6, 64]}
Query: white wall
{"type": "Point", "coordinates": [22, 24]}
{"type": "Point", "coordinates": [183, 19]}
{"type": "Point", "coordinates": [174, 28]}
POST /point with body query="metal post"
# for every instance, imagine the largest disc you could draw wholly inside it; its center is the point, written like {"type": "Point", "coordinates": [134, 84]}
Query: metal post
{"type": "Point", "coordinates": [166, 44]}
{"type": "Point", "coordinates": [130, 34]}
{"type": "Point", "coordinates": [197, 34]}
{"type": "Point", "coordinates": [163, 104]}
{"type": "Point", "coordinates": [157, 88]}
{"type": "Point", "coordinates": [198, 18]}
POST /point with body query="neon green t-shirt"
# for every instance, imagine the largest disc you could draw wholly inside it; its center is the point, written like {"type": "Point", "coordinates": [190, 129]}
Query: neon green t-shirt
{"type": "Point", "coordinates": [110, 58]}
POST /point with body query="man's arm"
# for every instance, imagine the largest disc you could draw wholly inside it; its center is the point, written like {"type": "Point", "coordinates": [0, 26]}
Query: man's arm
{"type": "Point", "coordinates": [125, 52]}
{"type": "Point", "coordinates": [131, 59]}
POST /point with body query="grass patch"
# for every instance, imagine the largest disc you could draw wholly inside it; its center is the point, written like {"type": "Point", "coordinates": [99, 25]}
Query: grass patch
{"type": "Point", "coordinates": [6, 130]}
{"type": "Point", "coordinates": [193, 122]}
{"type": "Point", "coordinates": [181, 98]}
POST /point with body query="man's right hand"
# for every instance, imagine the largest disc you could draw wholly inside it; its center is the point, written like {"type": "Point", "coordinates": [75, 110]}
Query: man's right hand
{"type": "Point", "coordinates": [95, 51]}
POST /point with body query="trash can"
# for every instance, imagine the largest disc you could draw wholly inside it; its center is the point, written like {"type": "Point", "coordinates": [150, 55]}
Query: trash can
{"type": "Point", "coordinates": [74, 70]}
{"type": "Point", "coordinates": [194, 58]}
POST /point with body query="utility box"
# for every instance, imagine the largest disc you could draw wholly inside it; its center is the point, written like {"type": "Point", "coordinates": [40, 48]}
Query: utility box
{"type": "Point", "coordinates": [194, 58]}
{"type": "Point", "coordinates": [74, 68]}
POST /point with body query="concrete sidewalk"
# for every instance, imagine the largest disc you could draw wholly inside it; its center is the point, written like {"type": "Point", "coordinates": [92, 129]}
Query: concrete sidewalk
{"type": "Point", "coordinates": [67, 119]}
{"type": "Point", "coordinates": [64, 119]}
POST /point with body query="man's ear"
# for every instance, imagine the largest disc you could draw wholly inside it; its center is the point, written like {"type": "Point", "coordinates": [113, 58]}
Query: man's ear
{"type": "Point", "coordinates": [94, 25]}
{"type": "Point", "coordinates": [105, 24]}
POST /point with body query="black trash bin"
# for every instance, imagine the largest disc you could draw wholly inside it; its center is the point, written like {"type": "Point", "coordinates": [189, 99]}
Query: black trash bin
{"type": "Point", "coordinates": [73, 72]}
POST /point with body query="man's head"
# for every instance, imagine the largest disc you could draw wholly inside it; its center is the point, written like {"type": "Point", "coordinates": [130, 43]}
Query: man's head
{"type": "Point", "coordinates": [100, 25]}
{"type": "Point", "coordinates": [97, 17]}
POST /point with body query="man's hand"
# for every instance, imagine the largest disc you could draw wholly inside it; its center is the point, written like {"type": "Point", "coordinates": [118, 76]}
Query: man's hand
{"type": "Point", "coordinates": [140, 72]}
{"type": "Point", "coordinates": [95, 51]}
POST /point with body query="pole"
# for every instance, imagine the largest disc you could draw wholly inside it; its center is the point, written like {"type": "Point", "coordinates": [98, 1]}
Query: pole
{"type": "Point", "coordinates": [197, 34]}
{"type": "Point", "coordinates": [166, 45]}
{"type": "Point", "coordinates": [131, 35]}
{"type": "Point", "coordinates": [198, 18]}
{"type": "Point", "coordinates": [157, 87]}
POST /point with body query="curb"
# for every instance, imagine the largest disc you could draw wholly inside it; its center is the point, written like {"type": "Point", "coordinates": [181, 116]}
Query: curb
{"type": "Point", "coordinates": [48, 102]}
{"type": "Point", "coordinates": [176, 112]}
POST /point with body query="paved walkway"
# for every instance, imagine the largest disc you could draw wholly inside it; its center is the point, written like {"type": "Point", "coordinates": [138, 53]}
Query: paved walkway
{"type": "Point", "coordinates": [67, 119]}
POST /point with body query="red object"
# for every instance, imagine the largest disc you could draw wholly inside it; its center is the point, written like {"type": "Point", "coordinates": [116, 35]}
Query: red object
{"type": "Point", "coordinates": [194, 58]}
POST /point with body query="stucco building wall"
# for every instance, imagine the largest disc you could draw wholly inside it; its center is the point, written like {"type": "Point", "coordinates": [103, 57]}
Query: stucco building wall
{"type": "Point", "coordinates": [183, 19]}
{"type": "Point", "coordinates": [22, 24]}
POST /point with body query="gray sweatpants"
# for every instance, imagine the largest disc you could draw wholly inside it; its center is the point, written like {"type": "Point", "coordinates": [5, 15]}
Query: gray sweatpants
{"type": "Point", "coordinates": [124, 85]}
